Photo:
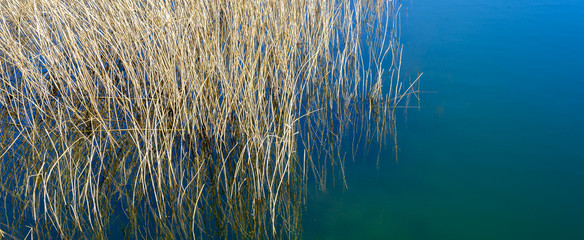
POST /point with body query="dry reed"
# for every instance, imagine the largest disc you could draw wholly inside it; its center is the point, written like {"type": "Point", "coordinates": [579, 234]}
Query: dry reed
{"type": "Point", "coordinates": [185, 118]}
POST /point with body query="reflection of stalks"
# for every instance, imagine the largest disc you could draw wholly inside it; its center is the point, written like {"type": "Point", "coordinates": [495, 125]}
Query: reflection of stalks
{"type": "Point", "coordinates": [184, 119]}
{"type": "Point", "coordinates": [4, 235]}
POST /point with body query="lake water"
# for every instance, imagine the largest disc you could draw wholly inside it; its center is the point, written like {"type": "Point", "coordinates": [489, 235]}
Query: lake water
{"type": "Point", "coordinates": [497, 151]}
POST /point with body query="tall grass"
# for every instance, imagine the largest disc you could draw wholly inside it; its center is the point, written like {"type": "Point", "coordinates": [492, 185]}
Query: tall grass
{"type": "Point", "coordinates": [185, 118]}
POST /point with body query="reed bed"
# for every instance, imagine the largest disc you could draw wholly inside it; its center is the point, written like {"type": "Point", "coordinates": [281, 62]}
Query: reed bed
{"type": "Point", "coordinates": [185, 119]}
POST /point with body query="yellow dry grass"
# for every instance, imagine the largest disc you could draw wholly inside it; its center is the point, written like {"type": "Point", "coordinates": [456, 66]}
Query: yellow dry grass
{"type": "Point", "coordinates": [184, 118]}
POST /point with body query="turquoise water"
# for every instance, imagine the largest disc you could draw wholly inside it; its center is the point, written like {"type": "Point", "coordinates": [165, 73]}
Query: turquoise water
{"type": "Point", "coordinates": [496, 151]}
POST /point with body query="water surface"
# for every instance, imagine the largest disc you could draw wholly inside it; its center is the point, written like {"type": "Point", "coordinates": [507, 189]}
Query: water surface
{"type": "Point", "coordinates": [496, 152]}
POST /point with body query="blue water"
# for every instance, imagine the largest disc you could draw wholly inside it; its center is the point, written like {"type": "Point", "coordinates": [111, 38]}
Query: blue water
{"type": "Point", "coordinates": [497, 151]}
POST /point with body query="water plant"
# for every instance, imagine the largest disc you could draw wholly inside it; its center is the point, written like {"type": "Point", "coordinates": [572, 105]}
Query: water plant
{"type": "Point", "coordinates": [185, 118]}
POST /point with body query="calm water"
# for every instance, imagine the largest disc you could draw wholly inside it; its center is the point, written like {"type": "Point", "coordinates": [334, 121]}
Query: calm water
{"type": "Point", "coordinates": [497, 152]}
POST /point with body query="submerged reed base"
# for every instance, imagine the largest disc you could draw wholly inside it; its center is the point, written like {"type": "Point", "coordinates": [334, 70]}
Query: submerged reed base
{"type": "Point", "coordinates": [185, 119]}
